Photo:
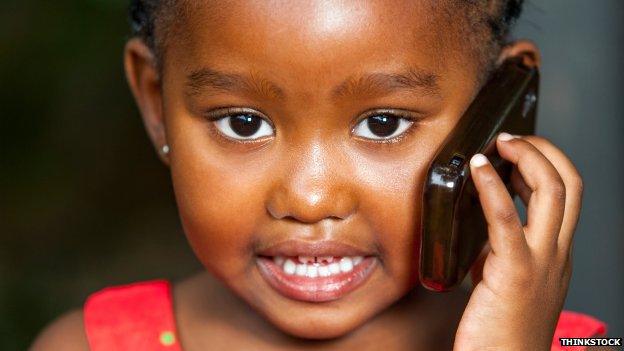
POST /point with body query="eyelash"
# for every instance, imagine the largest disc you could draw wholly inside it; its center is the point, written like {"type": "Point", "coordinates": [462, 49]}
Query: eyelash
{"type": "Point", "coordinates": [219, 113]}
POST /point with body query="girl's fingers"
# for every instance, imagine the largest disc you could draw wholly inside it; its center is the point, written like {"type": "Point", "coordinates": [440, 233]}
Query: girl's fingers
{"type": "Point", "coordinates": [504, 228]}
{"type": "Point", "coordinates": [520, 187]}
{"type": "Point", "coordinates": [547, 201]}
{"type": "Point", "coordinates": [573, 185]}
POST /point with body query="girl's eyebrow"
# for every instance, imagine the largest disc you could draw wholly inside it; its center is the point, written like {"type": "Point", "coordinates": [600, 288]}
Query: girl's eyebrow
{"type": "Point", "coordinates": [203, 79]}
{"type": "Point", "coordinates": [417, 80]}
{"type": "Point", "coordinates": [372, 84]}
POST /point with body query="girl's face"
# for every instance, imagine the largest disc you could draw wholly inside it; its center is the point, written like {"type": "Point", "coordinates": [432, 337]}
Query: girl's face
{"type": "Point", "coordinates": [303, 129]}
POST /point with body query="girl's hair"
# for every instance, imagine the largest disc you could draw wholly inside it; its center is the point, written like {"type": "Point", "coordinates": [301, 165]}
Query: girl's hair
{"type": "Point", "coordinates": [496, 16]}
{"type": "Point", "coordinates": [142, 15]}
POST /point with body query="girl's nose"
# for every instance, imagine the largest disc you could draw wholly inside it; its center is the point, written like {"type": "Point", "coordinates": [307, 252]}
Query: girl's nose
{"type": "Point", "coordinates": [313, 184]}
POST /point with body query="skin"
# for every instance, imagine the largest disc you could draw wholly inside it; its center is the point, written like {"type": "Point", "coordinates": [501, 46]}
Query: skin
{"type": "Point", "coordinates": [315, 179]}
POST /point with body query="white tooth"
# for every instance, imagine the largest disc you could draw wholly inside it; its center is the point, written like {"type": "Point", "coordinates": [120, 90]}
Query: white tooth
{"type": "Point", "coordinates": [279, 260]}
{"type": "Point", "coordinates": [289, 267]}
{"type": "Point", "coordinates": [302, 269]}
{"type": "Point", "coordinates": [306, 259]}
{"type": "Point", "coordinates": [346, 265]}
{"type": "Point", "coordinates": [327, 259]}
{"type": "Point", "coordinates": [334, 268]}
{"type": "Point", "coordinates": [323, 271]}
{"type": "Point", "coordinates": [357, 260]}
{"type": "Point", "coordinates": [312, 271]}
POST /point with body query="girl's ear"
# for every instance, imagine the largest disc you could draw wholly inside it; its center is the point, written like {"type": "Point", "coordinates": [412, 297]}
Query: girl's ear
{"type": "Point", "coordinates": [524, 48]}
{"type": "Point", "coordinates": [143, 78]}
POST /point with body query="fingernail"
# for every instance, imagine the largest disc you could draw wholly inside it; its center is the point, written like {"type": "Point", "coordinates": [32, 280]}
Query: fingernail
{"type": "Point", "coordinates": [505, 136]}
{"type": "Point", "coordinates": [478, 160]}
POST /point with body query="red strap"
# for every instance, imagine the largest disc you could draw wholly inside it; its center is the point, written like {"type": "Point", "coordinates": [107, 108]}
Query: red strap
{"type": "Point", "coordinates": [137, 317]}
{"type": "Point", "coordinates": [576, 325]}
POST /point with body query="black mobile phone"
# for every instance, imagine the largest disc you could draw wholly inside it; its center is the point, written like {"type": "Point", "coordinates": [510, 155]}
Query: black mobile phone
{"type": "Point", "coordinates": [453, 227]}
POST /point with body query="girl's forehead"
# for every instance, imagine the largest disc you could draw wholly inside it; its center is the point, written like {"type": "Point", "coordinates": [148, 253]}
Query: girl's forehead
{"type": "Point", "coordinates": [327, 37]}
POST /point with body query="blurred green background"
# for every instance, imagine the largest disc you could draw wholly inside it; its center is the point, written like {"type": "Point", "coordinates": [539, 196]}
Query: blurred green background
{"type": "Point", "coordinates": [85, 203]}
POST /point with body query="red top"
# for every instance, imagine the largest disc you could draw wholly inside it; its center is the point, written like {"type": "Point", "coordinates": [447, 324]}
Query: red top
{"type": "Point", "coordinates": [139, 317]}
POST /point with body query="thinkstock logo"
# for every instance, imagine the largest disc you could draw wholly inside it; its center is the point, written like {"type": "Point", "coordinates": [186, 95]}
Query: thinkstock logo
{"type": "Point", "coordinates": [590, 341]}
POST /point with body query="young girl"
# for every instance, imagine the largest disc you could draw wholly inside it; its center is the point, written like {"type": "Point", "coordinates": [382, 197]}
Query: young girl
{"type": "Point", "coordinates": [298, 135]}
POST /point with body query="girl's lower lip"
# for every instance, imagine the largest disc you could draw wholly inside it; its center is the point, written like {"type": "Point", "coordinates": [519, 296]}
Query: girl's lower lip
{"type": "Point", "coordinates": [317, 289]}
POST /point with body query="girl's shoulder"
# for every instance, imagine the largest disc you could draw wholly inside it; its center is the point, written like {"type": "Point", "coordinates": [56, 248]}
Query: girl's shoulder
{"type": "Point", "coordinates": [65, 333]}
{"type": "Point", "coordinates": [142, 313]}
{"type": "Point", "coordinates": [136, 316]}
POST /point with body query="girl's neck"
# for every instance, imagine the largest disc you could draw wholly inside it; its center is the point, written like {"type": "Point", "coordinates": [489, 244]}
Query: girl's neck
{"type": "Point", "coordinates": [208, 315]}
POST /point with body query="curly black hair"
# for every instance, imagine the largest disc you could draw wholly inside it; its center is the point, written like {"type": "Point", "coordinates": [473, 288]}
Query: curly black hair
{"type": "Point", "coordinates": [497, 16]}
{"type": "Point", "coordinates": [142, 15]}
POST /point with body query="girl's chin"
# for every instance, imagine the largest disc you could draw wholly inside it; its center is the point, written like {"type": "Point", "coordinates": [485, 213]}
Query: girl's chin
{"type": "Point", "coordinates": [327, 327]}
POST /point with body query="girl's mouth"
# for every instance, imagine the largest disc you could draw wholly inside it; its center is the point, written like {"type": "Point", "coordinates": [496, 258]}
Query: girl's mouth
{"type": "Point", "coordinates": [315, 279]}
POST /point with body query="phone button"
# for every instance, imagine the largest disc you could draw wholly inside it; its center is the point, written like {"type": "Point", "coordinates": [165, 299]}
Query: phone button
{"type": "Point", "coordinates": [457, 161]}
{"type": "Point", "coordinates": [529, 102]}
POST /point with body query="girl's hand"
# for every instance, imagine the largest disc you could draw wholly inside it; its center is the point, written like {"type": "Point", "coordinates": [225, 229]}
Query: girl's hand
{"type": "Point", "coordinates": [525, 276]}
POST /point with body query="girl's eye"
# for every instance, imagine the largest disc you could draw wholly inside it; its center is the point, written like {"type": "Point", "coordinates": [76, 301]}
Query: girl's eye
{"type": "Point", "coordinates": [244, 126]}
{"type": "Point", "coordinates": [382, 127]}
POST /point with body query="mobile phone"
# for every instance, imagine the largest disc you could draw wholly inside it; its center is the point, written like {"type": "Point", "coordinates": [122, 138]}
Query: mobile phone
{"type": "Point", "coordinates": [453, 227]}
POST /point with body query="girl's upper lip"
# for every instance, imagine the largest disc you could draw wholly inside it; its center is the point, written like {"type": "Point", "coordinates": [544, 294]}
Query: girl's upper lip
{"type": "Point", "coordinates": [313, 248]}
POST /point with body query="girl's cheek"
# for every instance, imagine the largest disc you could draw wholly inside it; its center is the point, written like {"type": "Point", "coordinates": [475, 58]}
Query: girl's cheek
{"type": "Point", "coordinates": [399, 223]}
{"type": "Point", "coordinates": [390, 203]}
{"type": "Point", "coordinates": [217, 210]}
